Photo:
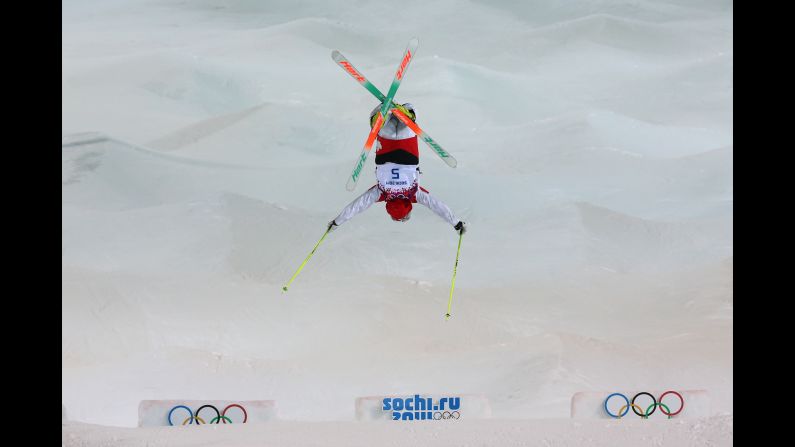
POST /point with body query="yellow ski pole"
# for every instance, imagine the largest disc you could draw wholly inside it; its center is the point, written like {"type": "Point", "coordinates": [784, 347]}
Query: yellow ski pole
{"type": "Point", "coordinates": [455, 268]}
{"type": "Point", "coordinates": [284, 289]}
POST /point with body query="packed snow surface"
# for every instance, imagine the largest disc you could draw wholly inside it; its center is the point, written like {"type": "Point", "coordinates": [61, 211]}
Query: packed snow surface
{"type": "Point", "coordinates": [206, 145]}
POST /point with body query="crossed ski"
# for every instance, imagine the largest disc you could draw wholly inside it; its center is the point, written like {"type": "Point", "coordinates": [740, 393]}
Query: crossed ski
{"type": "Point", "coordinates": [387, 109]}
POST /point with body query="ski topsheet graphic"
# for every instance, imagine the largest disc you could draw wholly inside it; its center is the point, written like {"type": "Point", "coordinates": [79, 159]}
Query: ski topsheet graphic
{"type": "Point", "coordinates": [347, 66]}
{"type": "Point", "coordinates": [447, 158]}
{"type": "Point", "coordinates": [388, 107]}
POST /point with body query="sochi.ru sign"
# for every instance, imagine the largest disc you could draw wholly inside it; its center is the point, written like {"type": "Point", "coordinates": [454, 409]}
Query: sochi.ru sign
{"type": "Point", "coordinates": [422, 408]}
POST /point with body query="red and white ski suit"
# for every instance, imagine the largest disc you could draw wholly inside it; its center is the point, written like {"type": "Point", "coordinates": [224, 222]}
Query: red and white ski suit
{"type": "Point", "coordinates": [398, 174]}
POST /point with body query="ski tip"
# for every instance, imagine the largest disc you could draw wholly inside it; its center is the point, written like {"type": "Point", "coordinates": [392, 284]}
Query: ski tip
{"type": "Point", "coordinates": [334, 54]}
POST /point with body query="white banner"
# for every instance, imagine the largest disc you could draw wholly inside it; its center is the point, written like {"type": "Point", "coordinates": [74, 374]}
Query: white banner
{"type": "Point", "coordinates": [155, 413]}
{"type": "Point", "coordinates": [591, 405]}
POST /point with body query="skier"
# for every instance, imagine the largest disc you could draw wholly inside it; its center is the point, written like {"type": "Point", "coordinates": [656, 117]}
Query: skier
{"type": "Point", "coordinates": [397, 170]}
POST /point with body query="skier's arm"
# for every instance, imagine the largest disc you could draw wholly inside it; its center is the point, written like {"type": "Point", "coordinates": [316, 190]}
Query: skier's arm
{"type": "Point", "coordinates": [437, 207]}
{"type": "Point", "coordinates": [360, 204]}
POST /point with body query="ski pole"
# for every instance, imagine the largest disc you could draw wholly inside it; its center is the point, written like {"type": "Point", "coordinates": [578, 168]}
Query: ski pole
{"type": "Point", "coordinates": [455, 268]}
{"type": "Point", "coordinates": [284, 289]}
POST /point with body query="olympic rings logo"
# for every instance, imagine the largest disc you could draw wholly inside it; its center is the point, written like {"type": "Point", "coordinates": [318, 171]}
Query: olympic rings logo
{"type": "Point", "coordinates": [650, 409]}
{"type": "Point", "coordinates": [395, 196]}
{"type": "Point", "coordinates": [219, 415]}
{"type": "Point", "coordinates": [446, 415]}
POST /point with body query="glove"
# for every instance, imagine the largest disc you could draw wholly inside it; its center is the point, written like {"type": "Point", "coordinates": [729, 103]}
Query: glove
{"type": "Point", "coordinates": [460, 228]}
{"type": "Point", "coordinates": [331, 226]}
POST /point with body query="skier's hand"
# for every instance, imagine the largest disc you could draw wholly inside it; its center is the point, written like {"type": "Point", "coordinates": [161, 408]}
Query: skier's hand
{"type": "Point", "coordinates": [331, 226]}
{"type": "Point", "coordinates": [460, 227]}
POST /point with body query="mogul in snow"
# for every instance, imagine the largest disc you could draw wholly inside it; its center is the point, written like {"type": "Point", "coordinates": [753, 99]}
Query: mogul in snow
{"type": "Point", "coordinates": [397, 170]}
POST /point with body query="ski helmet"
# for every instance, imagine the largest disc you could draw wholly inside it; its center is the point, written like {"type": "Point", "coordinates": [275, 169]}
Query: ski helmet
{"type": "Point", "coordinates": [399, 209]}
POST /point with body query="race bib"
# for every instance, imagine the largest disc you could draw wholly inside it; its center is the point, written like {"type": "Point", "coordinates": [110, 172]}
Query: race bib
{"type": "Point", "coordinates": [396, 180]}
